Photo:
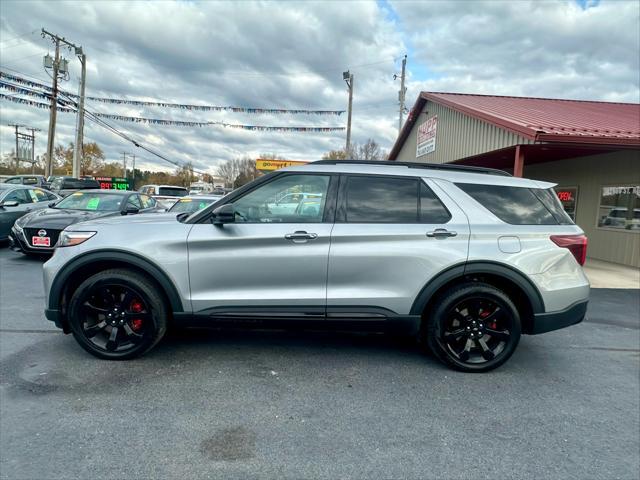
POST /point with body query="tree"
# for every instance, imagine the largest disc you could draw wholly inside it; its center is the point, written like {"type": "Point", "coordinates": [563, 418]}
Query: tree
{"type": "Point", "coordinates": [184, 174]}
{"type": "Point", "coordinates": [91, 161]}
{"type": "Point", "coordinates": [335, 155]}
{"type": "Point", "coordinates": [370, 150]}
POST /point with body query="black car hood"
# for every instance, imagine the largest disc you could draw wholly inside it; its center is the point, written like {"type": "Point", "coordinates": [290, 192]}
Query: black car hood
{"type": "Point", "coordinates": [58, 219]}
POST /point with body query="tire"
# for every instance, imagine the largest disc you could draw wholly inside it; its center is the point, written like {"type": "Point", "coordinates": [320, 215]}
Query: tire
{"type": "Point", "coordinates": [120, 300]}
{"type": "Point", "coordinates": [473, 327]}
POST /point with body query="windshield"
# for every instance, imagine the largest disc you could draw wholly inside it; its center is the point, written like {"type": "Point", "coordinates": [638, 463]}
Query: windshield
{"type": "Point", "coordinates": [172, 191]}
{"type": "Point", "coordinates": [101, 202]}
{"type": "Point", "coordinates": [190, 204]}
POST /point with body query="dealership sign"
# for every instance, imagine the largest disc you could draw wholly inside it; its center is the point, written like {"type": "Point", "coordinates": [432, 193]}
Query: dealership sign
{"type": "Point", "coordinates": [270, 165]}
{"type": "Point", "coordinates": [426, 142]}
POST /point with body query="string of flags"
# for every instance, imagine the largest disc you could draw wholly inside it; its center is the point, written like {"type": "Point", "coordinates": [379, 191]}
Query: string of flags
{"type": "Point", "coordinates": [203, 108]}
{"type": "Point", "coordinates": [31, 103]}
{"type": "Point", "coordinates": [63, 106]}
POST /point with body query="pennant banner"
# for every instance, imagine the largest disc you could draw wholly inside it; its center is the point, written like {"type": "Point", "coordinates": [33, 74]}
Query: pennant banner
{"type": "Point", "coordinates": [64, 107]}
{"type": "Point", "coordinates": [31, 103]}
{"type": "Point", "coordinates": [203, 108]}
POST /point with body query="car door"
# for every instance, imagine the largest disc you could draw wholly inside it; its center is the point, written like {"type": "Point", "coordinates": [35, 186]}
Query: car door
{"type": "Point", "coordinates": [8, 215]}
{"type": "Point", "coordinates": [267, 262]}
{"type": "Point", "coordinates": [392, 235]}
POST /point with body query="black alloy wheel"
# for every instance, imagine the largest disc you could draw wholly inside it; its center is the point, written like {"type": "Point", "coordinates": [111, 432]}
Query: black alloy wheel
{"type": "Point", "coordinates": [117, 314]}
{"type": "Point", "coordinates": [474, 328]}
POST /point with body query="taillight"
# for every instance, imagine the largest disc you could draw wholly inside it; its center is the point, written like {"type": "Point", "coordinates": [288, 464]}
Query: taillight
{"type": "Point", "coordinates": [577, 245]}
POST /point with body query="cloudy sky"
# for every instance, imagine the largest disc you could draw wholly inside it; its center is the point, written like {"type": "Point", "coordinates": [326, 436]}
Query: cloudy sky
{"type": "Point", "coordinates": [292, 55]}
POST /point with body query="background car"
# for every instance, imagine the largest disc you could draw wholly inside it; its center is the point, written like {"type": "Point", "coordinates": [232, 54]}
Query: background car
{"type": "Point", "coordinates": [63, 186]}
{"type": "Point", "coordinates": [167, 195]}
{"type": "Point", "coordinates": [35, 180]}
{"type": "Point", "coordinates": [18, 200]}
{"type": "Point", "coordinates": [193, 203]}
{"type": "Point", "coordinates": [37, 232]}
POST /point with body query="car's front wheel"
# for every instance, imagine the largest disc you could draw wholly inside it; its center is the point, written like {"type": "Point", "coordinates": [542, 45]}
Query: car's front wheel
{"type": "Point", "coordinates": [473, 327]}
{"type": "Point", "coordinates": [117, 314]}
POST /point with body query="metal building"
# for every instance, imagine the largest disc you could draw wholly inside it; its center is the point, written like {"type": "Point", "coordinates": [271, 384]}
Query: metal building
{"type": "Point", "coordinates": [590, 149]}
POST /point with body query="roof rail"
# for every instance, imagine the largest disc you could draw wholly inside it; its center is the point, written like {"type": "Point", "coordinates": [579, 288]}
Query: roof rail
{"type": "Point", "coordinates": [427, 166]}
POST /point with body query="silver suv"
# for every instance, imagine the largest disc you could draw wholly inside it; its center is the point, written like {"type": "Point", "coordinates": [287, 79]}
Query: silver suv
{"type": "Point", "coordinates": [466, 259]}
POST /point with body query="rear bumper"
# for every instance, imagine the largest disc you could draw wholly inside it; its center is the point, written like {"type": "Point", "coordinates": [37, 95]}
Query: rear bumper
{"type": "Point", "coordinates": [547, 322]}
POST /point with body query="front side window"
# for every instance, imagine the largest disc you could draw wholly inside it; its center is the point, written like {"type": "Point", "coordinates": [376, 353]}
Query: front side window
{"type": "Point", "coordinates": [619, 208]}
{"type": "Point", "coordinates": [38, 195]}
{"type": "Point", "coordinates": [20, 195]}
{"type": "Point", "coordinates": [288, 199]}
{"type": "Point", "coordinates": [147, 201]}
{"type": "Point", "coordinates": [14, 181]}
{"type": "Point", "coordinates": [134, 202]}
{"type": "Point", "coordinates": [379, 199]}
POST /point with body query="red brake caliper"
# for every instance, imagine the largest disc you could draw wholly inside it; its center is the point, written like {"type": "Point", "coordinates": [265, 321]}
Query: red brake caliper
{"type": "Point", "coordinates": [485, 314]}
{"type": "Point", "coordinates": [136, 307]}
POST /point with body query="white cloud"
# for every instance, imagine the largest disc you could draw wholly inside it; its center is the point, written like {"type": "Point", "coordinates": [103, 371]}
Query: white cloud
{"type": "Point", "coordinates": [291, 55]}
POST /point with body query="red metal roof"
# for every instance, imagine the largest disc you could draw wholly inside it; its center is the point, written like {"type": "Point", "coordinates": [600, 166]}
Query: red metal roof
{"type": "Point", "coordinates": [541, 119]}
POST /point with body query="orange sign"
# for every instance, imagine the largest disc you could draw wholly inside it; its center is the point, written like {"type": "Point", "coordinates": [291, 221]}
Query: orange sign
{"type": "Point", "coordinates": [270, 165]}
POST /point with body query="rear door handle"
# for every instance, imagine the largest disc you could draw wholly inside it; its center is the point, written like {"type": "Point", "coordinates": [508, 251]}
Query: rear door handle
{"type": "Point", "coordinates": [441, 233]}
{"type": "Point", "coordinates": [301, 236]}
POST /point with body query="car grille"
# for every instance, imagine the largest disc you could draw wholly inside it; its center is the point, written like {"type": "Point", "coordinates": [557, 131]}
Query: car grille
{"type": "Point", "coordinates": [33, 232]}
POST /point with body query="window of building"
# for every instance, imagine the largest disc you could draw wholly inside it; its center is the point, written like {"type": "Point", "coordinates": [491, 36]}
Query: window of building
{"type": "Point", "coordinates": [619, 208]}
{"type": "Point", "coordinates": [568, 197]}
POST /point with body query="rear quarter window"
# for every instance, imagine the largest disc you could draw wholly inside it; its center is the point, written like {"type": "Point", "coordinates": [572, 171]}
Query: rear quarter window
{"type": "Point", "coordinates": [518, 205]}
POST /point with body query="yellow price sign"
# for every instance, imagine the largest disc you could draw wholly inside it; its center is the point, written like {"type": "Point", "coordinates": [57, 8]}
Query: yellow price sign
{"type": "Point", "coordinates": [270, 165]}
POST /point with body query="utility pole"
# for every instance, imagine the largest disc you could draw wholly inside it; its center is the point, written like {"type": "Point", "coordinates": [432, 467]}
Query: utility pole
{"type": "Point", "coordinates": [133, 180]}
{"type": "Point", "coordinates": [17, 157]}
{"type": "Point", "coordinates": [348, 78]}
{"type": "Point", "coordinates": [124, 164]}
{"type": "Point", "coordinates": [401, 94]}
{"type": "Point", "coordinates": [56, 63]}
{"type": "Point", "coordinates": [79, 146]}
{"type": "Point", "coordinates": [33, 148]}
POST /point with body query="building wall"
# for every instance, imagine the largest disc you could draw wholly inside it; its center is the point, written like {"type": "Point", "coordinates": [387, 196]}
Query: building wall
{"type": "Point", "coordinates": [457, 136]}
{"type": "Point", "coordinates": [589, 174]}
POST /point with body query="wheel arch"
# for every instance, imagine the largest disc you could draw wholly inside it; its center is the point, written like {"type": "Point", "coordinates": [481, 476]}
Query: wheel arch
{"type": "Point", "coordinates": [80, 268]}
{"type": "Point", "coordinates": [515, 284]}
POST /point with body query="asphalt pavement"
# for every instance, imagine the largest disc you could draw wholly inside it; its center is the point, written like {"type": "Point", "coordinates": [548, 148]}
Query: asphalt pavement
{"type": "Point", "coordinates": [236, 404]}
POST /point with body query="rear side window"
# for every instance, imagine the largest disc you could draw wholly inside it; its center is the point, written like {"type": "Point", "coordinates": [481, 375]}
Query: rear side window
{"type": "Point", "coordinates": [518, 205]}
{"type": "Point", "coordinates": [173, 191]}
{"type": "Point", "coordinates": [392, 200]}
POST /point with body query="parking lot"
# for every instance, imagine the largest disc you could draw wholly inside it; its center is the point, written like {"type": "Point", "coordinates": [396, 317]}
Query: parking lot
{"type": "Point", "coordinates": [236, 404]}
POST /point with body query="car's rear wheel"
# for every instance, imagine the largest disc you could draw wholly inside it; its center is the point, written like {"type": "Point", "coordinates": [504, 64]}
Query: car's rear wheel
{"type": "Point", "coordinates": [117, 314]}
{"type": "Point", "coordinates": [473, 327]}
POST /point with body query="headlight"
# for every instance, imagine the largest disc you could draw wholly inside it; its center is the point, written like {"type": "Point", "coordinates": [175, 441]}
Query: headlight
{"type": "Point", "coordinates": [17, 227]}
{"type": "Point", "coordinates": [69, 239]}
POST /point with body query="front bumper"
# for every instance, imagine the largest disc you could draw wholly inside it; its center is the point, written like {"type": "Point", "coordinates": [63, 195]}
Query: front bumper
{"type": "Point", "coordinates": [18, 243]}
{"type": "Point", "coordinates": [547, 322]}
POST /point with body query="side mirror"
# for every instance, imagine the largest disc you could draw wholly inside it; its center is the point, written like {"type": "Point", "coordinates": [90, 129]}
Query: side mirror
{"type": "Point", "coordinates": [224, 214]}
{"type": "Point", "coordinates": [129, 211]}
{"type": "Point", "coordinates": [10, 203]}
{"type": "Point", "coordinates": [52, 204]}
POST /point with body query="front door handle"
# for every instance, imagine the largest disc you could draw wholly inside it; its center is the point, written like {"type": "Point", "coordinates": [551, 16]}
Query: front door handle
{"type": "Point", "coordinates": [441, 233]}
{"type": "Point", "coordinates": [301, 236]}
